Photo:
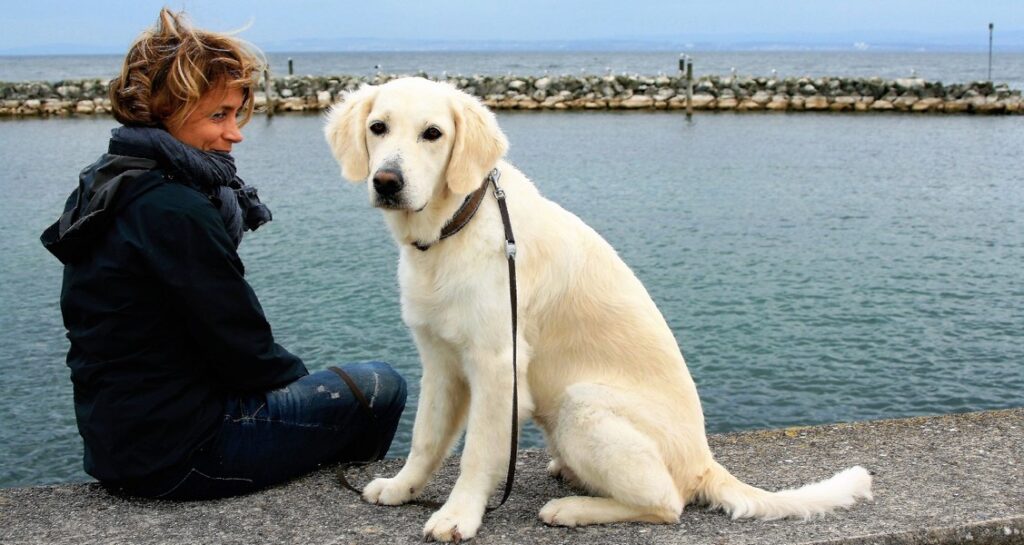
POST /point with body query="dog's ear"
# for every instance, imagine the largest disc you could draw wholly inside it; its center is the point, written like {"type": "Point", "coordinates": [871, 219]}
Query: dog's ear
{"type": "Point", "coordinates": [346, 132]}
{"type": "Point", "coordinates": [479, 144]}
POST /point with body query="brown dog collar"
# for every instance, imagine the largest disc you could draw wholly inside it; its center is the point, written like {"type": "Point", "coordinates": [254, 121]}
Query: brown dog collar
{"type": "Point", "coordinates": [461, 217]}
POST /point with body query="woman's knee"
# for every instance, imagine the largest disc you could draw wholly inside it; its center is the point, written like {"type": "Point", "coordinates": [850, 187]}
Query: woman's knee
{"type": "Point", "coordinates": [383, 386]}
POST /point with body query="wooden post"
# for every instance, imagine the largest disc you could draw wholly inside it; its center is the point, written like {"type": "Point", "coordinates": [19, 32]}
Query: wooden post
{"type": "Point", "coordinates": [290, 68]}
{"type": "Point", "coordinates": [267, 90]}
{"type": "Point", "coordinates": [689, 88]}
{"type": "Point", "coordinates": [990, 26]}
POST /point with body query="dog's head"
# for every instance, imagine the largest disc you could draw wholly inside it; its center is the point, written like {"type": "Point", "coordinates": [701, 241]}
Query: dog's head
{"type": "Point", "coordinates": [416, 140]}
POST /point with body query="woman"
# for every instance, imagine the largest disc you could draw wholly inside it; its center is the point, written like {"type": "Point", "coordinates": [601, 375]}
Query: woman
{"type": "Point", "coordinates": [180, 390]}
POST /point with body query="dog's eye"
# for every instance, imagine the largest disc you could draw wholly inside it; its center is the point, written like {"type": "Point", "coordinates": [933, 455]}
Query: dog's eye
{"type": "Point", "coordinates": [431, 134]}
{"type": "Point", "coordinates": [378, 128]}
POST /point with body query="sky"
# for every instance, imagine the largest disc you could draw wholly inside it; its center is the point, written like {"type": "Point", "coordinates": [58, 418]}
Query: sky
{"type": "Point", "coordinates": [108, 26]}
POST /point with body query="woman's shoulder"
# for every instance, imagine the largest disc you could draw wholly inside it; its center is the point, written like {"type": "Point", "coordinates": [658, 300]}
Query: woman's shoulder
{"type": "Point", "coordinates": [172, 204]}
{"type": "Point", "coordinates": [172, 196]}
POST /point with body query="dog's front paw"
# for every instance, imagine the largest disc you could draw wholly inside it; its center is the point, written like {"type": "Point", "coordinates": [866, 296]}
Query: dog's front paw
{"type": "Point", "coordinates": [389, 492]}
{"type": "Point", "coordinates": [453, 523]}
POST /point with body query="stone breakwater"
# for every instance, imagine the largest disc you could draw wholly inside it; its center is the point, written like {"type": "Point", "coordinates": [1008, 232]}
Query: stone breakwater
{"type": "Point", "coordinates": [586, 92]}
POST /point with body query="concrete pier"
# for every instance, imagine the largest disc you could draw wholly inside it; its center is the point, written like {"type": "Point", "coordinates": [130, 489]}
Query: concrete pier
{"type": "Point", "coordinates": [942, 479]}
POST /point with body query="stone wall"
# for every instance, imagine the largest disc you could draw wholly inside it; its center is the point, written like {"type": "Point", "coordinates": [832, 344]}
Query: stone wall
{"type": "Point", "coordinates": [593, 92]}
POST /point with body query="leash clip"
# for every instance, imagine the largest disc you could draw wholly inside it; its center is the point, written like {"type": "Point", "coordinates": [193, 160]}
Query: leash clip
{"type": "Point", "coordinates": [510, 249]}
{"type": "Point", "coordinates": [493, 176]}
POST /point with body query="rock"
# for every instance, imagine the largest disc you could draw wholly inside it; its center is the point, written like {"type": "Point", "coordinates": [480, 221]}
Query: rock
{"type": "Point", "coordinates": [927, 105]}
{"type": "Point", "coordinates": [542, 83]}
{"type": "Point", "coordinates": [808, 90]}
{"type": "Point", "coordinates": [517, 85]}
{"type": "Point", "coordinates": [816, 102]}
{"type": "Point", "coordinates": [727, 103]}
{"type": "Point", "coordinates": [749, 105]}
{"type": "Point", "coordinates": [702, 101]}
{"type": "Point", "coordinates": [904, 102]}
{"type": "Point", "coordinates": [323, 99]}
{"type": "Point", "coordinates": [292, 104]}
{"type": "Point", "coordinates": [704, 86]}
{"type": "Point", "coordinates": [51, 107]}
{"type": "Point", "coordinates": [550, 102]}
{"type": "Point", "coordinates": [665, 93]}
{"type": "Point", "coordinates": [638, 101]}
{"type": "Point", "coordinates": [528, 104]}
{"type": "Point", "coordinates": [761, 97]}
{"type": "Point", "coordinates": [910, 84]}
{"type": "Point", "coordinates": [69, 91]}
{"type": "Point", "coordinates": [956, 106]}
{"type": "Point", "coordinates": [881, 105]}
{"type": "Point", "coordinates": [85, 107]}
{"type": "Point", "coordinates": [779, 103]}
{"type": "Point", "coordinates": [990, 107]}
{"type": "Point", "coordinates": [677, 102]}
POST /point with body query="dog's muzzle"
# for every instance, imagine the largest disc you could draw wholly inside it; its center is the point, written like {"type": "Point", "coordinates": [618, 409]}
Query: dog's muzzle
{"type": "Point", "coordinates": [388, 184]}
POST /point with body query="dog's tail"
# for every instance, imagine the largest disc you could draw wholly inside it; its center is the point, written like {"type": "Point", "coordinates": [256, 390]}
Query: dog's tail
{"type": "Point", "coordinates": [721, 489]}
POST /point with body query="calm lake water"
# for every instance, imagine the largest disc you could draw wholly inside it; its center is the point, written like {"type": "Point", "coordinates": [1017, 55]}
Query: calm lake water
{"type": "Point", "coordinates": [814, 268]}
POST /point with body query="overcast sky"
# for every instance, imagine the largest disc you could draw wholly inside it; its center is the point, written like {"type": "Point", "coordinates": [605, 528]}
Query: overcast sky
{"type": "Point", "coordinates": [107, 25]}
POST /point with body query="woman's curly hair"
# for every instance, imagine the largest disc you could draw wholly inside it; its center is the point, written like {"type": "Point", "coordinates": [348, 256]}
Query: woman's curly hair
{"type": "Point", "coordinates": [172, 65]}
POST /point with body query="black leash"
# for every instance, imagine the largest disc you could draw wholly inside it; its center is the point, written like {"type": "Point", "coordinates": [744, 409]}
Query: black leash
{"type": "Point", "coordinates": [510, 255]}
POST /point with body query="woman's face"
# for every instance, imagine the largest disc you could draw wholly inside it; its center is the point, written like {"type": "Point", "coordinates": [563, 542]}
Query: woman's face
{"type": "Point", "coordinates": [213, 126]}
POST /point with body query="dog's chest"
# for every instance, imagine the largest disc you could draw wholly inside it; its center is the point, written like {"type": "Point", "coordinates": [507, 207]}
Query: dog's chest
{"type": "Point", "coordinates": [453, 298]}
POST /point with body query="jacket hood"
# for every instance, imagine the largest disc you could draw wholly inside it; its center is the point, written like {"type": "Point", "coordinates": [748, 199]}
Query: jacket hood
{"type": "Point", "coordinates": [104, 187]}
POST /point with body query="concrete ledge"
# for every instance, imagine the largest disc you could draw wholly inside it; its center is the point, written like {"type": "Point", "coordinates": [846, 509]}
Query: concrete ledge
{"type": "Point", "coordinates": [944, 479]}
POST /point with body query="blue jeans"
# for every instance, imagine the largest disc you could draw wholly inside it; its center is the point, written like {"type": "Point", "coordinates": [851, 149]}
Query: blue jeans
{"type": "Point", "coordinates": [270, 438]}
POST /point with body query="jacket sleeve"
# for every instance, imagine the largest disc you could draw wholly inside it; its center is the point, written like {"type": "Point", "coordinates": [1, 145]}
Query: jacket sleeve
{"type": "Point", "coordinates": [189, 251]}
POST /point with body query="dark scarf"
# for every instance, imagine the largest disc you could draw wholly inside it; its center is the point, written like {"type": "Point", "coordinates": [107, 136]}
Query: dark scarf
{"type": "Point", "coordinates": [210, 172]}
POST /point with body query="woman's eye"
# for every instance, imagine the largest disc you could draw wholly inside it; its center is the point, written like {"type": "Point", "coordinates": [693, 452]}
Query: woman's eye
{"type": "Point", "coordinates": [218, 116]}
{"type": "Point", "coordinates": [378, 128]}
{"type": "Point", "coordinates": [431, 134]}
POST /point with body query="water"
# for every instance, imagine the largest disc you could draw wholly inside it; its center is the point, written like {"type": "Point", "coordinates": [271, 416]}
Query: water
{"type": "Point", "coordinates": [814, 268]}
{"type": "Point", "coordinates": [945, 67]}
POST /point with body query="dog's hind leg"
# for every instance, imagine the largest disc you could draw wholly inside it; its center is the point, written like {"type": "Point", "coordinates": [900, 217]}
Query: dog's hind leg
{"type": "Point", "coordinates": [613, 459]}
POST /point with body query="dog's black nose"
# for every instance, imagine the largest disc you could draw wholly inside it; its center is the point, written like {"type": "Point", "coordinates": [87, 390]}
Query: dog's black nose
{"type": "Point", "coordinates": [388, 182]}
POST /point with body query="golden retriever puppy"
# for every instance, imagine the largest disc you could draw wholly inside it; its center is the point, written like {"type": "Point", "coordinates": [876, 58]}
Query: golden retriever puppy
{"type": "Point", "coordinates": [599, 369]}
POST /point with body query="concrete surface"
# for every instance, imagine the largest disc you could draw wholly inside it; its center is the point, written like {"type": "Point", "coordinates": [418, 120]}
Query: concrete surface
{"type": "Point", "coordinates": [944, 479]}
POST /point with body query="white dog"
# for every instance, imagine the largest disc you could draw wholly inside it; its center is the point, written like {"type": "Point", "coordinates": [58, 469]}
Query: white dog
{"type": "Point", "coordinates": [599, 369]}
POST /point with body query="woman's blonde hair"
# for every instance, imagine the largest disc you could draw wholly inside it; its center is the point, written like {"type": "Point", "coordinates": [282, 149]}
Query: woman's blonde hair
{"type": "Point", "coordinates": [172, 65]}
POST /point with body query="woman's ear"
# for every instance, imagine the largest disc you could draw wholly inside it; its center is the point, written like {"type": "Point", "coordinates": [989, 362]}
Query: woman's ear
{"type": "Point", "coordinates": [479, 144]}
{"type": "Point", "coordinates": [346, 132]}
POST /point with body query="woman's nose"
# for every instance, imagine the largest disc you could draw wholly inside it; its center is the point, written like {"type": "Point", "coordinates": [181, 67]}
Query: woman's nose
{"type": "Point", "coordinates": [232, 133]}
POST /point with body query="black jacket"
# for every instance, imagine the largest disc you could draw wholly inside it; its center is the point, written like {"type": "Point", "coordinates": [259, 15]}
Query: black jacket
{"type": "Point", "coordinates": [162, 324]}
